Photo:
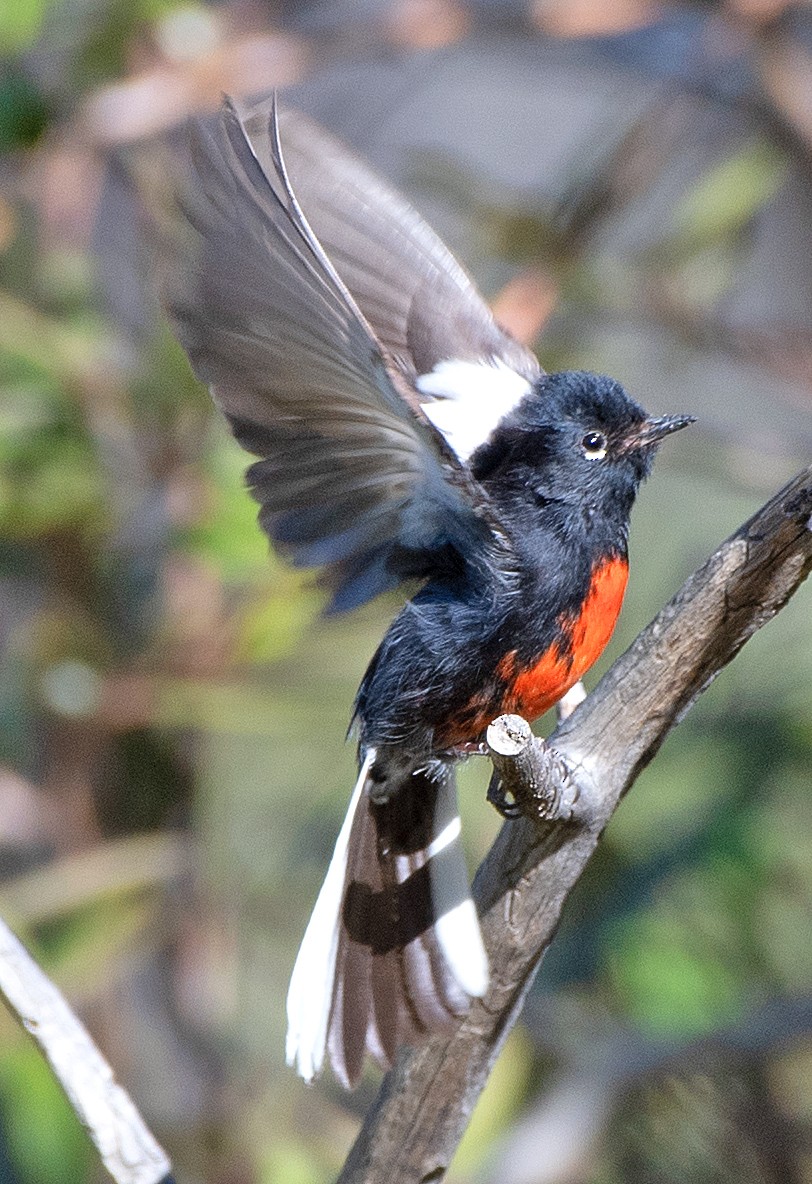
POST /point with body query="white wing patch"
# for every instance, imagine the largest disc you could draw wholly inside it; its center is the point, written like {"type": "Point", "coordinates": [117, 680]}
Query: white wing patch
{"type": "Point", "coordinates": [470, 400]}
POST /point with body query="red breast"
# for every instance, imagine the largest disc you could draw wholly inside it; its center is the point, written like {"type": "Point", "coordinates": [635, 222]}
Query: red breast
{"type": "Point", "coordinates": [533, 690]}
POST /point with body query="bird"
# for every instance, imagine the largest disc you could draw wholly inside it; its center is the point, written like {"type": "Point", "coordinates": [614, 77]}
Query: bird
{"type": "Point", "coordinates": [400, 437]}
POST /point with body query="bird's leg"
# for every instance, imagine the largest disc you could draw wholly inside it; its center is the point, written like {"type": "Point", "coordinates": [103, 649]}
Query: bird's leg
{"type": "Point", "coordinates": [501, 801]}
{"type": "Point", "coordinates": [530, 771]}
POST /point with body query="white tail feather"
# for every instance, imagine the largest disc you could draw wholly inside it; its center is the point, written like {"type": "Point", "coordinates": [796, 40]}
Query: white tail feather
{"type": "Point", "coordinates": [456, 927]}
{"type": "Point", "coordinates": [310, 993]}
{"type": "Point", "coordinates": [456, 924]}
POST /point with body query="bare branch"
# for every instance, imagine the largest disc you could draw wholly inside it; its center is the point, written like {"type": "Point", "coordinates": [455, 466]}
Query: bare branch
{"type": "Point", "coordinates": [425, 1101]}
{"type": "Point", "coordinates": [128, 1150]}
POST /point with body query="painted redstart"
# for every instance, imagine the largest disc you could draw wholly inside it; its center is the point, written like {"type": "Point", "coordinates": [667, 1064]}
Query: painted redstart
{"type": "Point", "coordinates": [401, 435]}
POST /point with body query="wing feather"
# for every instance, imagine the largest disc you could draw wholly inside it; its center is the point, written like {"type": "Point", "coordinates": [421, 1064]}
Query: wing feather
{"type": "Point", "coordinates": [350, 472]}
{"type": "Point", "coordinates": [421, 304]}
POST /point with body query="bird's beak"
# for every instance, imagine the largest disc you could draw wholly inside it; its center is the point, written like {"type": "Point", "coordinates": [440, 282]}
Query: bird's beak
{"type": "Point", "coordinates": [653, 430]}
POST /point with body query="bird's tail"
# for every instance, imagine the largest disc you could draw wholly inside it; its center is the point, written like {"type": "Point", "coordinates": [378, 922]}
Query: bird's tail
{"type": "Point", "coordinates": [393, 950]}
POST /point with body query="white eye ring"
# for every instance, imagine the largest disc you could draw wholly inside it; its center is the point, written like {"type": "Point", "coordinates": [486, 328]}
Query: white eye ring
{"type": "Point", "coordinates": [594, 445]}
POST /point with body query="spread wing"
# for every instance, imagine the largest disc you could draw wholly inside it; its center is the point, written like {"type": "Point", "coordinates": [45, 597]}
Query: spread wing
{"type": "Point", "coordinates": [352, 477]}
{"type": "Point", "coordinates": [421, 304]}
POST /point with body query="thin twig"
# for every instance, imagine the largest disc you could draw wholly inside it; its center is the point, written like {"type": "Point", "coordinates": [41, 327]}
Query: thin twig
{"type": "Point", "coordinates": [425, 1101]}
{"type": "Point", "coordinates": [127, 1148]}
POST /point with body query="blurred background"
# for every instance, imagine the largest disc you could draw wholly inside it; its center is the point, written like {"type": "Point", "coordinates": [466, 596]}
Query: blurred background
{"type": "Point", "coordinates": [630, 184]}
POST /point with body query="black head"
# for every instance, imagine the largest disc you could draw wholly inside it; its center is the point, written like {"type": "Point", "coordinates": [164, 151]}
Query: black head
{"type": "Point", "coordinates": [578, 439]}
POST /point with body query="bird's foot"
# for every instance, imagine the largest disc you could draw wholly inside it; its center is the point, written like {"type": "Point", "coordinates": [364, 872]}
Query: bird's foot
{"type": "Point", "coordinates": [503, 802]}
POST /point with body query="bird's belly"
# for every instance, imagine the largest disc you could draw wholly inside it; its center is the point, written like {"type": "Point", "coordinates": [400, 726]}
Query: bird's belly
{"type": "Point", "coordinates": [531, 689]}
{"type": "Point", "coordinates": [531, 692]}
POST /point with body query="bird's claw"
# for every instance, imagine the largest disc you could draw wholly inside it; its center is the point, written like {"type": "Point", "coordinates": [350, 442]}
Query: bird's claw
{"type": "Point", "coordinates": [501, 801]}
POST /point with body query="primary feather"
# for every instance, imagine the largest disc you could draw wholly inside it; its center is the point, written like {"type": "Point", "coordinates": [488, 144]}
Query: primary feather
{"type": "Point", "coordinates": [315, 367]}
{"type": "Point", "coordinates": [421, 304]}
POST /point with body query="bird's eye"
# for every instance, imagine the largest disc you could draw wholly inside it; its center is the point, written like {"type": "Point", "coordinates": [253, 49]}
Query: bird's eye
{"type": "Point", "coordinates": [594, 445]}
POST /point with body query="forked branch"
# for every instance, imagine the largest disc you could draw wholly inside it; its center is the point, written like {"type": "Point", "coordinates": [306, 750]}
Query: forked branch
{"type": "Point", "coordinates": [425, 1101]}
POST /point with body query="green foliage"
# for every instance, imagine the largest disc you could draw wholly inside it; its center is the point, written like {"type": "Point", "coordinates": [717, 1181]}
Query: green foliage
{"type": "Point", "coordinates": [46, 1141]}
{"type": "Point", "coordinates": [229, 535]}
{"type": "Point", "coordinates": [731, 193]}
{"type": "Point", "coordinates": [670, 975]}
{"type": "Point", "coordinates": [23, 110]}
{"type": "Point", "coordinates": [289, 1162]}
{"type": "Point", "coordinates": [20, 23]}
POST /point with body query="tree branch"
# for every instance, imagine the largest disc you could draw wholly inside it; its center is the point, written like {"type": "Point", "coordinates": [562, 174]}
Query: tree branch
{"type": "Point", "coordinates": [425, 1101]}
{"type": "Point", "coordinates": [128, 1150]}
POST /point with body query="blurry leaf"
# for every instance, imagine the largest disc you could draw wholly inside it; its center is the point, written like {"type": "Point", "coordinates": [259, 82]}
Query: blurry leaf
{"type": "Point", "coordinates": [23, 113]}
{"type": "Point", "coordinates": [725, 199]}
{"type": "Point", "coordinates": [65, 284]}
{"type": "Point", "coordinates": [709, 907]}
{"type": "Point", "coordinates": [674, 798]}
{"type": "Point", "coordinates": [274, 622]}
{"type": "Point", "coordinates": [231, 539]}
{"type": "Point", "coordinates": [47, 1142]}
{"type": "Point", "coordinates": [680, 967]}
{"type": "Point", "coordinates": [20, 23]}
{"type": "Point", "coordinates": [50, 477]}
{"type": "Point", "coordinates": [287, 1162]}
{"type": "Point", "coordinates": [701, 279]}
{"type": "Point", "coordinates": [165, 393]}
{"type": "Point", "coordinates": [108, 35]}
{"type": "Point", "coordinates": [229, 535]}
{"type": "Point", "coordinates": [52, 482]}
{"type": "Point", "coordinates": [88, 951]}
{"type": "Point", "coordinates": [701, 258]}
{"type": "Point", "coordinates": [672, 993]}
{"type": "Point", "coordinates": [64, 351]}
